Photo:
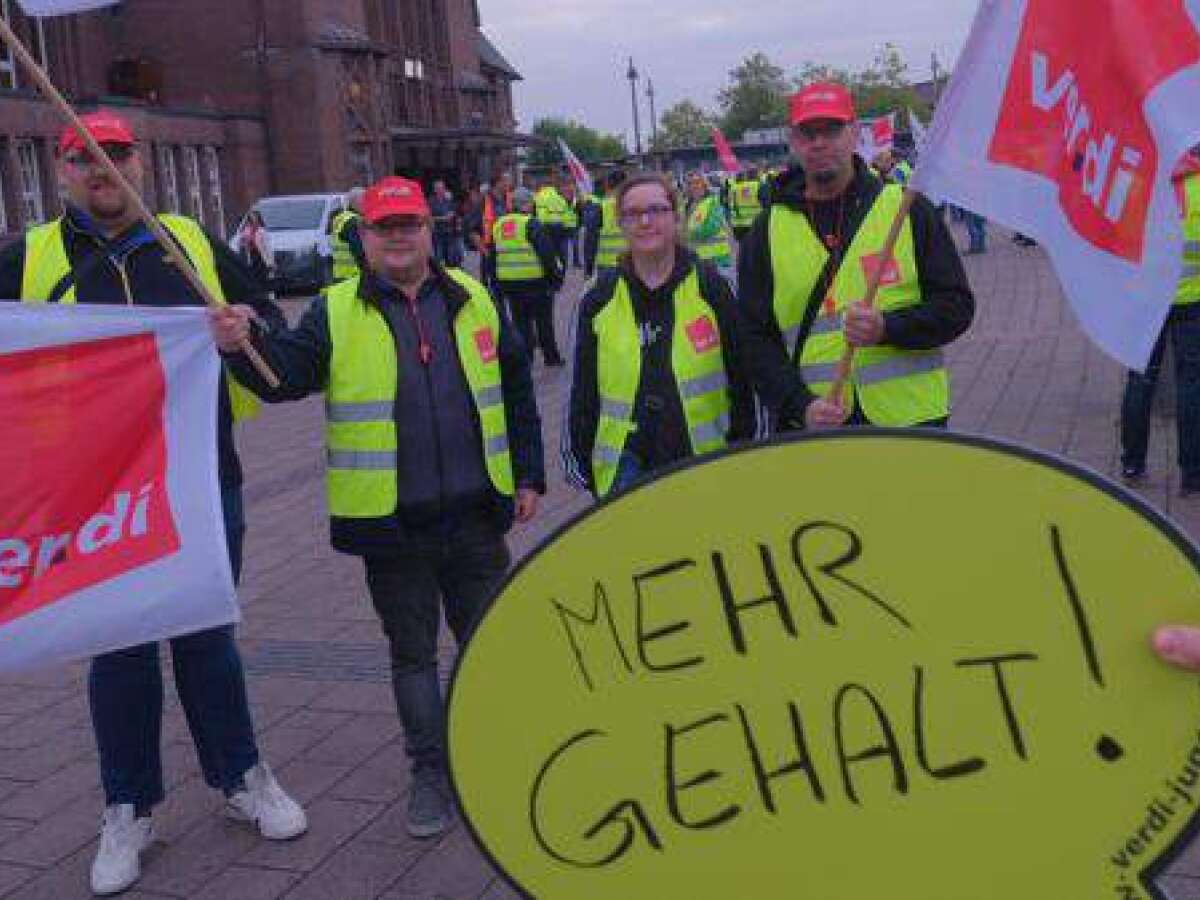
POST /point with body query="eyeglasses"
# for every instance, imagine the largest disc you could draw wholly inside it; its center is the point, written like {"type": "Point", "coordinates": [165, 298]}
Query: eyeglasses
{"type": "Point", "coordinates": [402, 227]}
{"type": "Point", "coordinates": [646, 216]}
{"type": "Point", "coordinates": [828, 130]}
{"type": "Point", "coordinates": [118, 153]}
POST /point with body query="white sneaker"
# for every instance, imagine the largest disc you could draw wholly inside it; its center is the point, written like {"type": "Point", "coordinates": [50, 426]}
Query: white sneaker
{"type": "Point", "coordinates": [264, 803]}
{"type": "Point", "coordinates": [122, 839]}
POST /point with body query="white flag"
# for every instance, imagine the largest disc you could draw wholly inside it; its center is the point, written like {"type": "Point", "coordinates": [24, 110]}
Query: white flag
{"type": "Point", "coordinates": [579, 172]}
{"type": "Point", "coordinates": [1062, 133]}
{"type": "Point", "coordinates": [61, 7]}
{"type": "Point", "coordinates": [111, 531]}
{"type": "Point", "coordinates": [920, 133]}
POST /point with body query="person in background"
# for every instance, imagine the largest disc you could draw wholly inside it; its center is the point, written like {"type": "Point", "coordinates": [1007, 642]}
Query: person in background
{"type": "Point", "coordinates": [255, 244]}
{"type": "Point", "coordinates": [707, 230]}
{"type": "Point", "coordinates": [445, 226]}
{"type": "Point", "coordinates": [529, 272]}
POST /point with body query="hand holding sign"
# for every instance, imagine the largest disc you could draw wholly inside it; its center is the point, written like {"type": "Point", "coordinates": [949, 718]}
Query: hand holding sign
{"type": "Point", "coordinates": [933, 686]}
{"type": "Point", "coordinates": [863, 325]}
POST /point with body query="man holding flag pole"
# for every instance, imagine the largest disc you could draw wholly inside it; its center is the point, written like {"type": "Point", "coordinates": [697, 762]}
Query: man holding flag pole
{"type": "Point", "coordinates": [108, 249]}
{"type": "Point", "coordinates": [805, 274]}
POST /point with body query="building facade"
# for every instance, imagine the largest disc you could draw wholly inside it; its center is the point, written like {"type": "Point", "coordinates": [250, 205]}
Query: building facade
{"type": "Point", "coordinates": [235, 99]}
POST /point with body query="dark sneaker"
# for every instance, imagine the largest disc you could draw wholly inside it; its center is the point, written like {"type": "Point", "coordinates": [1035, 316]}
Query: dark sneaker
{"type": "Point", "coordinates": [430, 810]}
{"type": "Point", "coordinates": [1132, 473]}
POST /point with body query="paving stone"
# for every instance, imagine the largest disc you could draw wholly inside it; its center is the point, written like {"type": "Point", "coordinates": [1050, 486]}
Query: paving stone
{"type": "Point", "coordinates": [332, 823]}
{"type": "Point", "coordinates": [249, 883]}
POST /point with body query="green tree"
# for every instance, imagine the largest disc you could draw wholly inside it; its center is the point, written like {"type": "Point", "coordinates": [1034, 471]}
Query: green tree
{"type": "Point", "coordinates": [589, 145]}
{"type": "Point", "coordinates": [756, 96]}
{"type": "Point", "coordinates": [684, 125]}
{"type": "Point", "coordinates": [878, 89]}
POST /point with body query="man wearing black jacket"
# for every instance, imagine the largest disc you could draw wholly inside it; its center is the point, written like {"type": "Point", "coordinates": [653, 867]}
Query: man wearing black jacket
{"type": "Point", "coordinates": [434, 449]}
{"type": "Point", "coordinates": [802, 275]}
{"type": "Point", "coordinates": [100, 252]}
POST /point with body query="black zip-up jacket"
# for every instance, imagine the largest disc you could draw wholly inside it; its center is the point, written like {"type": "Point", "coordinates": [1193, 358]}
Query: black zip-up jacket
{"type": "Point", "coordinates": [662, 436]}
{"type": "Point", "coordinates": [301, 358]}
{"type": "Point", "coordinates": [946, 309]}
{"type": "Point", "coordinates": [96, 266]}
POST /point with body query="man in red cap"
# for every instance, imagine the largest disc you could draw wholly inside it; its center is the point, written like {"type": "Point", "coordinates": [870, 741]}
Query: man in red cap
{"type": "Point", "coordinates": [802, 273]}
{"type": "Point", "coordinates": [99, 251]}
{"type": "Point", "coordinates": [434, 449]}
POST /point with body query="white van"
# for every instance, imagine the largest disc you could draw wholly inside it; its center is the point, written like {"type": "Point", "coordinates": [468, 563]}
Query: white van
{"type": "Point", "coordinates": [298, 233]}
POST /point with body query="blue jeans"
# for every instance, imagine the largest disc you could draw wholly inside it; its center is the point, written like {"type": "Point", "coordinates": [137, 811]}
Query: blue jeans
{"type": "Point", "coordinates": [977, 230]}
{"type": "Point", "coordinates": [630, 471]}
{"type": "Point", "coordinates": [1183, 325]}
{"type": "Point", "coordinates": [125, 693]}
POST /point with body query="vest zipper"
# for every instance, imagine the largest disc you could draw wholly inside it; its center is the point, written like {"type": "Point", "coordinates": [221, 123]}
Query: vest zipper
{"type": "Point", "coordinates": [120, 266]}
{"type": "Point", "coordinates": [425, 357]}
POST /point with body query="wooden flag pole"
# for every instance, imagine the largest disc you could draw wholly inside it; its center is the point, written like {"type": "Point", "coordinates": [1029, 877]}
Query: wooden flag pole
{"type": "Point", "coordinates": [873, 279]}
{"type": "Point", "coordinates": [176, 256]}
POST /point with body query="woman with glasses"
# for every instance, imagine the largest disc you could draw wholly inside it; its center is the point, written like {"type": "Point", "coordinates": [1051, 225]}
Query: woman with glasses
{"type": "Point", "coordinates": [658, 375]}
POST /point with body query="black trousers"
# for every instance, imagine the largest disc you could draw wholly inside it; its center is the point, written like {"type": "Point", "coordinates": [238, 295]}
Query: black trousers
{"type": "Point", "coordinates": [533, 314]}
{"type": "Point", "coordinates": [455, 566]}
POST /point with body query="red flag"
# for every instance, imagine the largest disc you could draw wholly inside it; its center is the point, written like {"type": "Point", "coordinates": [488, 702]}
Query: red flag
{"type": "Point", "coordinates": [729, 162]}
{"type": "Point", "coordinates": [1069, 135]}
{"type": "Point", "coordinates": [876, 136]}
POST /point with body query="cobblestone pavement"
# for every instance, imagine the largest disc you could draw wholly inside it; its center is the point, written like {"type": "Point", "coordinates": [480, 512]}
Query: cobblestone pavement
{"type": "Point", "coordinates": [317, 667]}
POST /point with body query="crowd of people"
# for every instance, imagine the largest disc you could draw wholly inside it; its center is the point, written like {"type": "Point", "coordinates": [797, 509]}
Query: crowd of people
{"type": "Point", "coordinates": [709, 318]}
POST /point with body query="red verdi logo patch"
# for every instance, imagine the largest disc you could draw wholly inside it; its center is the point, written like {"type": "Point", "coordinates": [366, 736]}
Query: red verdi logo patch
{"type": "Point", "coordinates": [891, 271]}
{"type": "Point", "coordinates": [84, 498]}
{"type": "Point", "coordinates": [703, 335]}
{"type": "Point", "coordinates": [1072, 116]}
{"type": "Point", "coordinates": [485, 343]}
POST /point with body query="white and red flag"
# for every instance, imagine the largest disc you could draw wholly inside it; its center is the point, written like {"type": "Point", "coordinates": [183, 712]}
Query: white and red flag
{"type": "Point", "coordinates": [876, 135]}
{"type": "Point", "coordinates": [111, 532]}
{"type": "Point", "coordinates": [579, 173]}
{"type": "Point", "coordinates": [1069, 134]}
{"type": "Point", "coordinates": [61, 7]}
{"type": "Point", "coordinates": [729, 161]}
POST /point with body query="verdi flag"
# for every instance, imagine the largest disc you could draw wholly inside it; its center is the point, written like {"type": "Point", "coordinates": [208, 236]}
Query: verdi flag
{"type": "Point", "coordinates": [729, 162]}
{"type": "Point", "coordinates": [61, 7]}
{"type": "Point", "coordinates": [1070, 135]}
{"type": "Point", "coordinates": [579, 173]}
{"type": "Point", "coordinates": [111, 529]}
{"type": "Point", "coordinates": [877, 136]}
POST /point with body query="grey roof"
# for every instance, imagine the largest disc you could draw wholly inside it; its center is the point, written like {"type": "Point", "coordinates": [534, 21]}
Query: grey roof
{"type": "Point", "coordinates": [490, 56]}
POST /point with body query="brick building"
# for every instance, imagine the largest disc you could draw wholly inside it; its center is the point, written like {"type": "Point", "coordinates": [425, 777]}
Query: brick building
{"type": "Point", "coordinates": [239, 98]}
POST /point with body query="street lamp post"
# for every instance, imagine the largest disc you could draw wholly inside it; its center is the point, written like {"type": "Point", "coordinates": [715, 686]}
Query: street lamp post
{"type": "Point", "coordinates": [632, 75]}
{"type": "Point", "coordinates": [653, 115]}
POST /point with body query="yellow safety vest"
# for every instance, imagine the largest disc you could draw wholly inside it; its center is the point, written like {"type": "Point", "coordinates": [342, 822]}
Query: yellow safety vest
{"type": "Point", "coordinates": [611, 241]}
{"type": "Point", "coordinates": [516, 260]}
{"type": "Point", "coordinates": [46, 264]}
{"type": "Point", "coordinates": [744, 202]}
{"type": "Point", "coordinates": [696, 361]}
{"type": "Point", "coordinates": [715, 247]}
{"type": "Point", "coordinates": [550, 206]}
{"type": "Point", "coordinates": [1189, 282]}
{"type": "Point", "coordinates": [360, 419]}
{"type": "Point", "coordinates": [570, 216]}
{"type": "Point", "coordinates": [893, 387]}
{"type": "Point", "coordinates": [344, 264]}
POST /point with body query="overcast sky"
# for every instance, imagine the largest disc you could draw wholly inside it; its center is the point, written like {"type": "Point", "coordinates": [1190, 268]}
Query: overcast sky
{"type": "Point", "coordinates": [574, 53]}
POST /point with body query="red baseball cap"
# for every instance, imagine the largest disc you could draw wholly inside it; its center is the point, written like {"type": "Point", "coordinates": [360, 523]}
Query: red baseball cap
{"type": "Point", "coordinates": [823, 100]}
{"type": "Point", "coordinates": [393, 196]}
{"type": "Point", "coordinates": [105, 127]}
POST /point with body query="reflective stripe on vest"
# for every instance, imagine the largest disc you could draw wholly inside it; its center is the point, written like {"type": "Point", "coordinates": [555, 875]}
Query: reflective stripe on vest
{"type": "Point", "coordinates": [344, 264]}
{"type": "Point", "coordinates": [892, 386]}
{"type": "Point", "coordinates": [1189, 281]}
{"type": "Point", "coordinates": [611, 242]}
{"type": "Point", "coordinates": [46, 265]}
{"type": "Point", "coordinates": [360, 421]}
{"type": "Point", "coordinates": [516, 260]}
{"type": "Point", "coordinates": [715, 247]}
{"type": "Point", "coordinates": [697, 363]}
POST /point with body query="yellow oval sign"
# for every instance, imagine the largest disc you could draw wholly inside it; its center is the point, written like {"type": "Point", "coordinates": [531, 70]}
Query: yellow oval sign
{"type": "Point", "coordinates": [876, 664]}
